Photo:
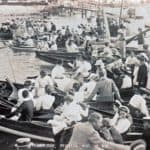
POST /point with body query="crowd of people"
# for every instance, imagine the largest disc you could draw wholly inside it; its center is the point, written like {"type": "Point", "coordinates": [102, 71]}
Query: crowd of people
{"type": "Point", "coordinates": [93, 79]}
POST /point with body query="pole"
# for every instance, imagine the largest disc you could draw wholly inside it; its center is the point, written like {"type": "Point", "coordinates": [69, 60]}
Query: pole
{"type": "Point", "coordinates": [120, 20]}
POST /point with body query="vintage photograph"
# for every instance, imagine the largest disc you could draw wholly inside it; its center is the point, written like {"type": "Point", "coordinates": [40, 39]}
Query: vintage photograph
{"type": "Point", "coordinates": [74, 74]}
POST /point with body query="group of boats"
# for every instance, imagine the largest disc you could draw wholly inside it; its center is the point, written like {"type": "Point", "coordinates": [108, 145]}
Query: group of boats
{"type": "Point", "coordinates": [38, 130]}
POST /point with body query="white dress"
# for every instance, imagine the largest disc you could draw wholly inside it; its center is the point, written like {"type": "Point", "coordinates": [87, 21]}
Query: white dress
{"type": "Point", "coordinates": [40, 84]}
{"type": "Point", "coordinates": [148, 80]}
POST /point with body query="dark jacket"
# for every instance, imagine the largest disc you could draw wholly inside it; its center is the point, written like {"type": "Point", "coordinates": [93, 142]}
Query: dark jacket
{"type": "Point", "coordinates": [26, 111]}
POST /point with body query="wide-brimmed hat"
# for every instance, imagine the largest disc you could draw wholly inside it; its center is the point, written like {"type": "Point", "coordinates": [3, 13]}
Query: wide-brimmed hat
{"type": "Point", "coordinates": [99, 63]}
{"type": "Point", "coordinates": [124, 108]}
{"type": "Point", "coordinates": [138, 145]}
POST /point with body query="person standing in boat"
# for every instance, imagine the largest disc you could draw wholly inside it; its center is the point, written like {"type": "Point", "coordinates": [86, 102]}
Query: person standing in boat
{"type": "Point", "coordinates": [142, 73]}
{"type": "Point", "coordinates": [140, 39]}
{"type": "Point", "coordinates": [122, 42]}
{"type": "Point", "coordinates": [26, 108]}
{"type": "Point", "coordinates": [106, 88]}
{"type": "Point", "coordinates": [53, 27]}
{"type": "Point", "coordinates": [41, 82]}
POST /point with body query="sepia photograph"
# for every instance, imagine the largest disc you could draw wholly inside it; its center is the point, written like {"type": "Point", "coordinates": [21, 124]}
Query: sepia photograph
{"type": "Point", "coordinates": [74, 74]}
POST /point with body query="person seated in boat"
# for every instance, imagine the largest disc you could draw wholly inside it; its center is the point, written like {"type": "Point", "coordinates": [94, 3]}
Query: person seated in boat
{"type": "Point", "coordinates": [71, 46]}
{"type": "Point", "coordinates": [25, 110]}
{"type": "Point", "coordinates": [45, 102]}
{"type": "Point", "coordinates": [83, 68]}
{"type": "Point", "coordinates": [137, 105]}
{"type": "Point", "coordinates": [60, 40]}
{"type": "Point", "coordinates": [15, 92]}
{"type": "Point", "coordinates": [109, 133]}
{"type": "Point", "coordinates": [124, 120]}
{"type": "Point", "coordinates": [85, 136]}
{"type": "Point", "coordinates": [78, 95]}
{"type": "Point", "coordinates": [88, 87]}
{"type": "Point", "coordinates": [63, 82]}
{"type": "Point", "coordinates": [131, 60]}
{"type": "Point", "coordinates": [107, 51]}
{"type": "Point", "coordinates": [41, 82]}
{"type": "Point", "coordinates": [117, 104]}
{"type": "Point", "coordinates": [71, 112]}
{"type": "Point", "coordinates": [58, 71]}
{"type": "Point", "coordinates": [29, 42]}
{"type": "Point", "coordinates": [53, 46]}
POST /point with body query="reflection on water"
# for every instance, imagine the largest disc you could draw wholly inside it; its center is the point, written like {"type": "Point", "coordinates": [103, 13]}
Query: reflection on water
{"type": "Point", "coordinates": [17, 66]}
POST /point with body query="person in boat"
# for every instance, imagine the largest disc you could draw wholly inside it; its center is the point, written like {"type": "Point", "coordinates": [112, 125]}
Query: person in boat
{"type": "Point", "coordinates": [53, 46]}
{"type": "Point", "coordinates": [140, 38]}
{"type": "Point", "coordinates": [86, 137]}
{"type": "Point", "coordinates": [45, 102]}
{"type": "Point", "coordinates": [131, 60]}
{"type": "Point", "coordinates": [122, 43]}
{"type": "Point", "coordinates": [53, 27]}
{"type": "Point", "coordinates": [109, 133]}
{"type": "Point", "coordinates": [58, 71]}
{"type": "Point", "coordinates": [142, 72]}
{"type": "Point", "coordinates": [106, 88]}
{"type": "Point", "coordinates": [124, 120]}
{"type": "Point", "coordinates": [107, 51]}
{"type": "Point", "coordinates": [148, 79]}
{"type": "Point", "coordinates": [117, 104]}
{"type": "Point", "coordinates": [25, 109]}
{"type": "Point", "coordinates": [41, 82]}
{"type": "Point", "coordinates": [69, 113]}
{"type": "Point", "coordinates": [71, 46]}
{"type": "Point", "coordinates": [78, 95]}
{"type": "Point", "coordinates": [83, 68]}
{"type": "Point", "coordinates": [88, 87]}
{"type": "Point", "coordinates": [60, 40]}
{"type": "Point", "coordinates": [137, 105]}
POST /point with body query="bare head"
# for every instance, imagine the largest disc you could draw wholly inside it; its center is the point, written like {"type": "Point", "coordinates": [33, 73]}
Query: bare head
{"type": "Point", "coordinates": [96, 120]}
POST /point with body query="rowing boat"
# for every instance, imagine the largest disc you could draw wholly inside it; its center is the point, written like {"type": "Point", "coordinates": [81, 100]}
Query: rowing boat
{"type": "Point", "coordinates": [23, 48]}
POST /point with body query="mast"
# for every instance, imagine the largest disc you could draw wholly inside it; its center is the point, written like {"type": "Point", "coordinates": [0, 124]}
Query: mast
{"type": "Point", "coordinates": [120, 20]}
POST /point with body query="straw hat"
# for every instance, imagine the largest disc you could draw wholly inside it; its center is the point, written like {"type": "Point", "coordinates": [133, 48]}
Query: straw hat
{"type": "Point", "coordinates": [125, 109]}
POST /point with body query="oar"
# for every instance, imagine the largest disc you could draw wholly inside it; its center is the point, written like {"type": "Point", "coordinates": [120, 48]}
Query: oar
{"type": "Point", "coordinates": [102, 111]}
{"type": "Point", "coordinates": [6, 101]}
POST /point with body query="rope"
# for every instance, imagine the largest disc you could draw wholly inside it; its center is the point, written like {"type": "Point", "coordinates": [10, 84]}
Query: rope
{"type": "Point", "coordinates": [11, 66]}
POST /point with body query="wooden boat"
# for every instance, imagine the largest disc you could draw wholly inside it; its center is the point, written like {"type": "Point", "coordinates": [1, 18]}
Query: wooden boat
{"type": "Point", "coordinates": [58, 55]}
{"type": "Point", "coordinates": [23, 48]}
{"type": "Point", "coordinates": [6, 35]}
{"type": "Point", "coordinates": [36, 131]}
